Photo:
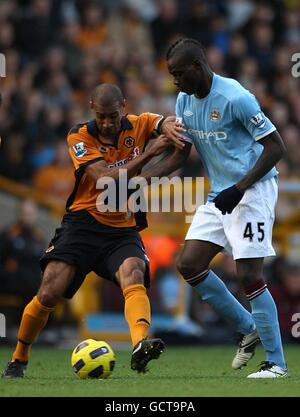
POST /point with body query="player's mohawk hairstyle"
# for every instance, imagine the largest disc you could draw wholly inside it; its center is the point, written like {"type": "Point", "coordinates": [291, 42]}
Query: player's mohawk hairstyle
{"type": "Point", "coordinates": [183, 44]}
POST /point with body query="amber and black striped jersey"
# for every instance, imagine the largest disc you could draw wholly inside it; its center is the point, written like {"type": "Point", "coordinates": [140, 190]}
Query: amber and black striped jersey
{"type": "Point", "coordinates": [86, 147]}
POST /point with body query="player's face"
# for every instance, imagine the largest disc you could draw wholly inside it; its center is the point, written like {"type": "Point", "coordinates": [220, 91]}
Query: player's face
{"type": "Point", "coordinates": [108, 118]}
{"type": "Point", "coordinates": [187, 76]}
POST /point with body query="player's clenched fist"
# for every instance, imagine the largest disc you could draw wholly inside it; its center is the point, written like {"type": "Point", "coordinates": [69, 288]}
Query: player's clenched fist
{"type": "Point", "coordinates": [228, 199]}
{"type": "Point", "coordinates": [173, 130]}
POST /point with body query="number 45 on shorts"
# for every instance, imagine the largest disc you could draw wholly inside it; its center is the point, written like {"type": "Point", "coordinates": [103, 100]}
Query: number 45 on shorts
{"type": "Point", "coordinates": [254, 229]}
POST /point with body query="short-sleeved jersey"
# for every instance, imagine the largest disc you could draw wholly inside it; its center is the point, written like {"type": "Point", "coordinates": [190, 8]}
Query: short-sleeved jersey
{"type": "Point", "coordinates": [225, 127]}
{"type": "Point", "coordinates": [86, 147]}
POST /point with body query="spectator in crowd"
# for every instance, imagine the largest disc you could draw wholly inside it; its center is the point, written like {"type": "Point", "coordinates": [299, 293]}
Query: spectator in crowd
{"type": "Point", "coordinates": [56, 180]}
{"type": "Point", "coordinates": [21, 246]}
{"type": "Point", "coordinates": [14, 163]}
{"type": "Point", "coordinates": [94, 28]}
{"type": "Point", "coordinates": [82, 43]}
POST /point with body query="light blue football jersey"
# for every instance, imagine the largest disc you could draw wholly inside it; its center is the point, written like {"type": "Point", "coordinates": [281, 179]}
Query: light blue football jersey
{"type": "Point", "coordinates": [225, 127]}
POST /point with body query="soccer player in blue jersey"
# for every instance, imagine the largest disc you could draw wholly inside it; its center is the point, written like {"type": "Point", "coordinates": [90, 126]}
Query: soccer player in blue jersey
{"type": "Point", "coordinates": [239, 147]}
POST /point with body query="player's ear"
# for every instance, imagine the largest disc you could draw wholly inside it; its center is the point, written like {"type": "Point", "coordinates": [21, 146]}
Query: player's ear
{"type": "Point", "coordinates": [124, 104]}
{"type": "Point", "coordinates": [91, 105]}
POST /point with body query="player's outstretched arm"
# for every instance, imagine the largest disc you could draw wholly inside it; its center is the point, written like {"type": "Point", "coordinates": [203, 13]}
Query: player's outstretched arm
{"type": "Point", "coordinates": [170, 164]}
{"type": "Point", "coordinates": [100, 169]}
{"type": "Point", "coordinates": [273, 151]}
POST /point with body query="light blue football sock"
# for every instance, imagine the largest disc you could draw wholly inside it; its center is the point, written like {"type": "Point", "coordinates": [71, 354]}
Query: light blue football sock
{"type": "Point", "coordinates": [264, 313]}
{"type": "Point", "coordinates": [215, 293]}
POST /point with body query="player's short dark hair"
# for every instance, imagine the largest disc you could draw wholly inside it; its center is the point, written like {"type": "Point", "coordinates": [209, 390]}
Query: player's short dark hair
{"type": "Point", "coordinates": [107, 94]}
{"type": "Point", "coordinates": [187, 47]}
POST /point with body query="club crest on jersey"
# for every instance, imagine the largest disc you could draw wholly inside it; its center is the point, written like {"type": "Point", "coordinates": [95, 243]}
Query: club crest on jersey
{"type": "Point", "coordinates": [129, 141]}
{"type": "Point", "coordinates": [79, 149]}
{"type": "Point", "coordinates": [214, 115]}
{"type": "Point", "coordinates": [258, 120]}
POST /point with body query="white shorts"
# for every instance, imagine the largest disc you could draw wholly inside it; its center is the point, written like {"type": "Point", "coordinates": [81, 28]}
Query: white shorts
{"type": "Point", "coordinates": [247, 231]}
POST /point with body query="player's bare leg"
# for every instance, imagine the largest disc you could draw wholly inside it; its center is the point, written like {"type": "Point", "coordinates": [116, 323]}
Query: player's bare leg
{"type": "Point", "coordinates": [196, 257]}
{"type": "Point", "coordinates": [194, 266]}
{"type": "Point", "coordinates": [138, 314]}
{"type": "Point", "coordinates": [264, 313]}
{"type": "Point", "coordinates": [56, 278]}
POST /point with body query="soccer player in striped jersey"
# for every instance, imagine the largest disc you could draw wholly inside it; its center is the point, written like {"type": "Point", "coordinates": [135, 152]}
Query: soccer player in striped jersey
{"type": "Point", "coordinates": [107, 243]}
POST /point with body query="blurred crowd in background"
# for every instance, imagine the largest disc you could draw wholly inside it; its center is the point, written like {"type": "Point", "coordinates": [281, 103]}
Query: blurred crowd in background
{"type": "Point", "coordinates": [57, 51]}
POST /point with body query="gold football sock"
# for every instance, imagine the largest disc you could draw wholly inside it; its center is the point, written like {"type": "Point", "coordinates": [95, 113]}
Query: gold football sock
{"type": "Point", "coordinates": [137, 312]}
{"type": "Point", "coordinates": [35, 317]}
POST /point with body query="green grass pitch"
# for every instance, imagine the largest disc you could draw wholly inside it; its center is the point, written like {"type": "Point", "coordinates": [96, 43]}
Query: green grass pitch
{"type": "Point", "coordinates": [180, 372]}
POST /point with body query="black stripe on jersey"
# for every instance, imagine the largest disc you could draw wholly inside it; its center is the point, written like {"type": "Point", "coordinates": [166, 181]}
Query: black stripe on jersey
{"type": "Point", "coordinates": [85, 164]}
{"type": "Point", "coordinates": [125, 123]}
{"type": "Point", "coordinates": [92, 128]}
{"type": "Point", "coordinates": [158, 127]}
{"type": "Point", "coordinates": [76, 128]}
{"type": "Point", "coordinates": [141, 216]}
{"type": "Point", "coordinates": [78, 175]}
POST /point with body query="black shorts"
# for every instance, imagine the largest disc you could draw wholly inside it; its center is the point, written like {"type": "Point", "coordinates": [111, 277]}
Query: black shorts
{"type": "Point", "coordinates": [92, 246]}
